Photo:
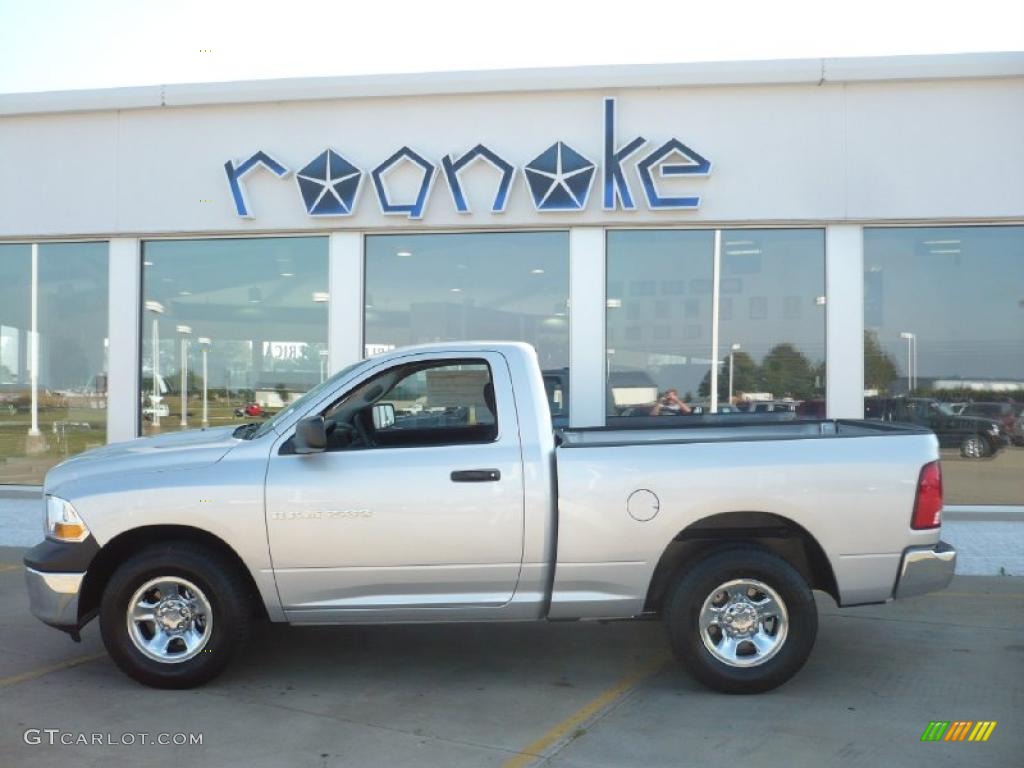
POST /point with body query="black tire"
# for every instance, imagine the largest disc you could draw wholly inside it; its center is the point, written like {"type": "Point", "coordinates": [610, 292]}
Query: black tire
{"type": "Point", "coordinates": [975, 447]}
{"type": "Point", "coordinates": [701, 581]}
{"type": "Point", "coordinates": [225, 588]}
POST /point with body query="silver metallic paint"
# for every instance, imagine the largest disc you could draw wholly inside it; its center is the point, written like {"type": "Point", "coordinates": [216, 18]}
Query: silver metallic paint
{"type": "Point", "coordinates": [492, 550]}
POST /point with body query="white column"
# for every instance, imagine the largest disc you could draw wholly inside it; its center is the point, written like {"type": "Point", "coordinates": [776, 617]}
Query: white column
{"type": "Point", "coordinates": [345, 311]}
{"type": "Point", "coordinates": [844, 321]}
{"type": "Point", "coordinates": [124, 303]}
{"type": "Point", "coordinates": [587, 347]}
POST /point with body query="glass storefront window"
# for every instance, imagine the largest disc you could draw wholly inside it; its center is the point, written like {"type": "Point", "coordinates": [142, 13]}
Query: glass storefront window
{"type": "Point", "coordinates": [460, 287]}
{"type": "Point", "coordinates": [658, 328]}
{"type": "Point", "coordinates": [944, 348]}
{"type": "Point", "coordinates": [771, 322]}
{"type": "Point", "coordinates": [239, 323]}
{"type": "Point", "coordinates": [65, 412]}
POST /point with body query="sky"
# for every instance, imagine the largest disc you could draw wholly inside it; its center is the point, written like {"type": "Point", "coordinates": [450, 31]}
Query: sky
{"type": "Point", "coordinates": [72, 44]}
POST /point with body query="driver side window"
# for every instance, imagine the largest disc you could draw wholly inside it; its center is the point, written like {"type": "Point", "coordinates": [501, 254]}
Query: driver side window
{"type": "Point", "coordinates": [449, 402]}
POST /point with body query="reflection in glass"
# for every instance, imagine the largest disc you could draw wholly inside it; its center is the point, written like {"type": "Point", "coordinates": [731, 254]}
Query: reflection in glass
{"type": "Point", "coordinates": [944, 348]}
{"type": "Point", "coordinates": [459, 287]}
{"type": "Point", "coordinates": [240, 326]}
{"type": "Point", "coordinates": [771, 322]}
{"type": "Point", "coordinates": [776, 349]}
{"type": "Point", "coordinates": [64, 413]}
{"type": "Point", "coordinates": [658, 330]}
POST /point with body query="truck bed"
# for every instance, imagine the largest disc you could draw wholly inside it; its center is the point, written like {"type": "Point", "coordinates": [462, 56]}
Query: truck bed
{"type": "Point", "coordinates": [704, 429]}
{"type": "Point", "coordinates": [850, 484]}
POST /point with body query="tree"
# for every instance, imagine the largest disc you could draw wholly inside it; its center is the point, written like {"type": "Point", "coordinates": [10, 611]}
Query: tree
{"type": "Point", "coordinates": [880, 370]}
{"type": "Point", "coordinates": [785, 371]}
{"type": "Point", "coordinates": [745, 372]}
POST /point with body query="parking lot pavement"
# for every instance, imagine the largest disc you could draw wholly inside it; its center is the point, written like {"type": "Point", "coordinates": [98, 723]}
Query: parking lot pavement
{"type": "Point", "coordinates": [561, 694]}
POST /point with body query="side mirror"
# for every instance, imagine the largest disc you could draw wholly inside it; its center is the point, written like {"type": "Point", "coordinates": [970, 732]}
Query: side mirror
{"type": "Point", "coordinates": [310, 435]}
{"type": "Point", "coordinates": [383, 415]}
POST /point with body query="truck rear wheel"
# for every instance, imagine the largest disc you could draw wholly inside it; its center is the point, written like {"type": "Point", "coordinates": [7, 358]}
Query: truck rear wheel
{"type": "Point", "coordinates": [742, 620]}
{"type": "Point", "coordinates": [173, 615]}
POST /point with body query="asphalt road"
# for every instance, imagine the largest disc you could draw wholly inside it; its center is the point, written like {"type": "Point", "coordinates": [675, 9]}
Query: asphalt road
{"type": "Point", "coordinates": [573, 694]}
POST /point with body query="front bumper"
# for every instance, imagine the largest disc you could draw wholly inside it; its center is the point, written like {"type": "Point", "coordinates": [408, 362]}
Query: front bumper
{"type": "Point", "coordinates": [54, 573]}
{"type": "Point", "coordinates": [925, 569]}
{"type": "Point", "coordinates": [53, 597]}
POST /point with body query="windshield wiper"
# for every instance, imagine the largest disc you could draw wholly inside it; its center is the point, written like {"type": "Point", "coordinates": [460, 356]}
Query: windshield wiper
{"type": "Point", "coordinates": [245, 431]}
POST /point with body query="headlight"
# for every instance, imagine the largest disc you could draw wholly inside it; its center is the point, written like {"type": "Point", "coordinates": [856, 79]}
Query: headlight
{"type": "Point", "coordinates": [61, 522]}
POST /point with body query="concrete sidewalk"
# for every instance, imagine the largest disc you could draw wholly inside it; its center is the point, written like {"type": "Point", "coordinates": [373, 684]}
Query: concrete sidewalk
{"type": "Point", "coordinates": [21, 520]}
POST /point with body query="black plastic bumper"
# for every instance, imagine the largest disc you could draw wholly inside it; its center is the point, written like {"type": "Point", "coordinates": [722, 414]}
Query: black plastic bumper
{"type": "Point", "coordinates": [62, 556]}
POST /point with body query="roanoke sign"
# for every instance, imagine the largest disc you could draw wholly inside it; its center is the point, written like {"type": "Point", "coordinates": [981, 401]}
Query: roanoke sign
{"type": "Point", "coordinates": [559, 179]}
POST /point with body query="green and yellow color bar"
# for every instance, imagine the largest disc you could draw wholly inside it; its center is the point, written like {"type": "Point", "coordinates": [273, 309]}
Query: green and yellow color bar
{"type": "Point", "coordinates": [958, 730]}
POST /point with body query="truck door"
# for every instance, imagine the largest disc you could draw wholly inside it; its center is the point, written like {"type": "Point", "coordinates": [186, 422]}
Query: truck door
{"type": "Point", "coordinates": [416, 505]}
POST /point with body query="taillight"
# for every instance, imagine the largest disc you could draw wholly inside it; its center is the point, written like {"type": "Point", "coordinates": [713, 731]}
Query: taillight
{"type": "Point", "coordinates": [928, 504]}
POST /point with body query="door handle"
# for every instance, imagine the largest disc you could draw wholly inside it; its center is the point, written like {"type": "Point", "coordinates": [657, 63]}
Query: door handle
{"type": "Point", "coordinates": [476, 476]}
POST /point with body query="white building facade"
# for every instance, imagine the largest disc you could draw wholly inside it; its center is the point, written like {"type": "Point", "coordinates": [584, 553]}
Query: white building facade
{"type": "Point", "coordinates": [826, 235]}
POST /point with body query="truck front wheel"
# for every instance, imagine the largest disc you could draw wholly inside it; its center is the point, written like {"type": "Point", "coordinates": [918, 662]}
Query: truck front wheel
{"type": "Point", "coordinates": [742, 620]}
{"type": "Point", "coordinates": [174, 614]}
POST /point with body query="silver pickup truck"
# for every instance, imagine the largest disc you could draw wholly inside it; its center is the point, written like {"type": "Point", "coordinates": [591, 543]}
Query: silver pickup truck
{"type": "Point", "coordinates": [427, 485]}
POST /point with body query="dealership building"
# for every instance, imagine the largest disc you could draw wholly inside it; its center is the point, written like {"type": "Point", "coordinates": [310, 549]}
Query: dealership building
{"type": "Point", "coordinates": [819, 234]}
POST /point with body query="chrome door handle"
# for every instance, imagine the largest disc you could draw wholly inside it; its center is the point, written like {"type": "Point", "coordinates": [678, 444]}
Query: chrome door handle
{"type": "Point", "coordinates": [476, 476]}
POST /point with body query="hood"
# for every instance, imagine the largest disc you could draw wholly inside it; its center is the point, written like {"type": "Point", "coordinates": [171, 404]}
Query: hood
{"type": "Point", "coordinates": [177, 451]}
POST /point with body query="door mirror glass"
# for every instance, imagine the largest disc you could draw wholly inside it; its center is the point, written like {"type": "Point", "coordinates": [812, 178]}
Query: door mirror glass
{"type": "Point", "coordinates": [383, 415]}
{"type": "Point", "coordinates": [310, 435]}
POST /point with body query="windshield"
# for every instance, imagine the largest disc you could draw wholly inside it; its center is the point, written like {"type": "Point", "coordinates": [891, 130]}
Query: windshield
{"type": "Point", "coordinates": [300, 403]}
{"type": "Point", "coordinates": [947, 409]}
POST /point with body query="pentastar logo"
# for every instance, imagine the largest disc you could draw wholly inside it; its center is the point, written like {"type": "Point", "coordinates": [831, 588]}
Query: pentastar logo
{"type": "Point", "coordinates": [559, 179]}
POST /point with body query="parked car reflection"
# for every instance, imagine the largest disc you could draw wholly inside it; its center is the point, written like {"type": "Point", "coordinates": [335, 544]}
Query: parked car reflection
{"type": "Point", "coordinates": [977, 437]}
{"type": "Point", "coordinates": [1007, 414]}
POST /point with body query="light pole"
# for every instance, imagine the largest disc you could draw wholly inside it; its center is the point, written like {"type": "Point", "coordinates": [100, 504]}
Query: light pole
{"type": "Point", "coordinates": [323, 365]}
{"type": "Point", "coordinates": [205, 344]}
{"type": "Point", "coordinates": [33, 344]}
{"type": "Point", "coordinates": [732, 351]}
{"type": "Point", "coordinates": [35, 442]}
{"type": "Point", "coordinates": [157, 309]}
{"type": "Point", "coordinates": [911, 339]}
{"type": "Point", "coordinates": [716, 278]}
{"type": "Point", "coordinates": [185, 332]}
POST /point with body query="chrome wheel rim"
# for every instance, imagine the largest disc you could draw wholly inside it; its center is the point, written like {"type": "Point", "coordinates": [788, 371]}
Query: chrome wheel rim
{"type": "Point", "coordinates": [169, 619]}
{"type": "Point", "coordinates": [743, 623]}
{"type": "Point", "coordinates": [972, 448]}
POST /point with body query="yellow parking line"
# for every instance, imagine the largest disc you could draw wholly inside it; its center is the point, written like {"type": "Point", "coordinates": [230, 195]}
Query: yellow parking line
{"type": "Point", "coordinates": [5, 567]}
{"type": "Point", "coordinates": [7, 682]}
{"type": "Point", "coordinates": [534, 750]}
